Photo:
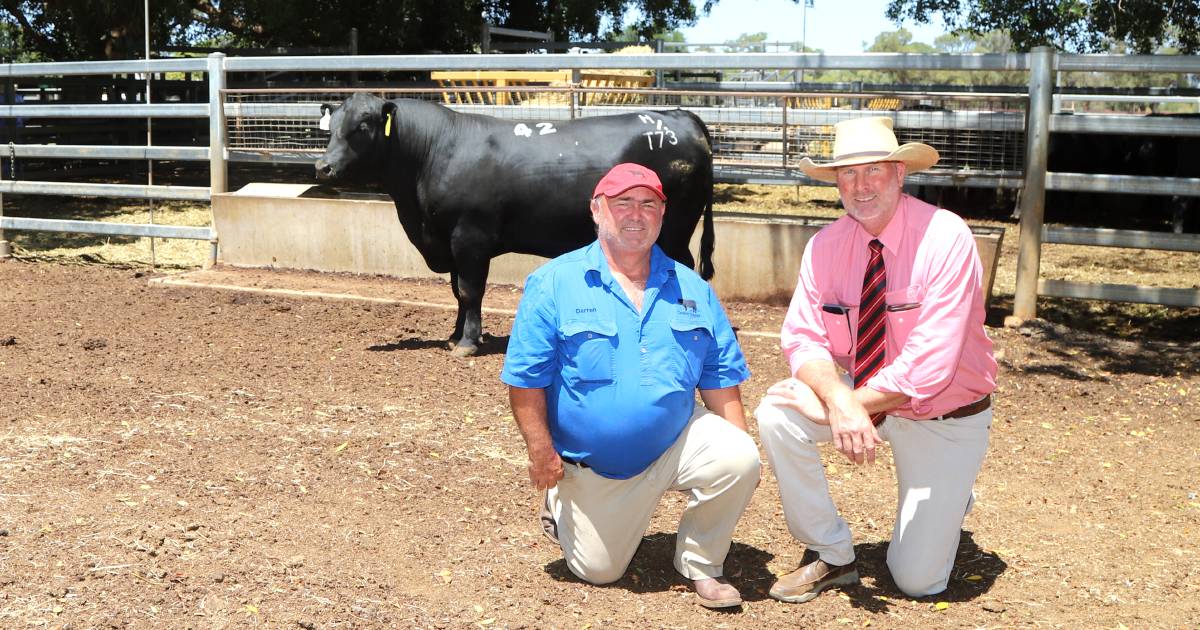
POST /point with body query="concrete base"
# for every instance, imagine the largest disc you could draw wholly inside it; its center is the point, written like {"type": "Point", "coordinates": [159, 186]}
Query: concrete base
{"type": "Point", "coordinates": [757, 257]}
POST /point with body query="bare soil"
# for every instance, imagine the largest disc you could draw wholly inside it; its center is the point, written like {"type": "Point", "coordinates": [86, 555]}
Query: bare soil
{"type": "Point", "coordinates": [192, 457]}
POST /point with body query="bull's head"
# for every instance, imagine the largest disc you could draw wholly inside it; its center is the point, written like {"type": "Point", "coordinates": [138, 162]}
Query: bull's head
{"type": "Point", "coordinates": [357, 131]}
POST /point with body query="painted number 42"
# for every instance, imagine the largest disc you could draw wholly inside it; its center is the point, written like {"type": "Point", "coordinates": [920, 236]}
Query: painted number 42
{"type": "Point", "coordinates": [544, 128]}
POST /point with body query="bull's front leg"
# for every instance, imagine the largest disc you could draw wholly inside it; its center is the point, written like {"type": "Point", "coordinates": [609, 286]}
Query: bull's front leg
{"type": "Point", "coordinates": [472, 282]}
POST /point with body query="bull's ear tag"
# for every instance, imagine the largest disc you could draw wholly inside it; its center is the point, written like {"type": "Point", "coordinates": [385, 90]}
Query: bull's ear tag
{"type": "Point", "coordinates": [324, 124]}
{"type": "Point", "coordinates": [387, 126]}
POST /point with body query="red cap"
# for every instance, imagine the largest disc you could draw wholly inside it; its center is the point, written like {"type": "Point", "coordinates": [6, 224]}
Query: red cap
{"type": "Point", "coordinates": [628, 175]}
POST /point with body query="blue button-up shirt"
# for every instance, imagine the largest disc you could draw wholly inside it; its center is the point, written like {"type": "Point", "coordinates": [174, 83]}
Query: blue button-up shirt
{"type": "Point", "coordinates": [620, 384]}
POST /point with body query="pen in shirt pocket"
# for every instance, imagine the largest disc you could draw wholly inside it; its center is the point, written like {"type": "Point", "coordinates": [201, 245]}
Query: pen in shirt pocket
{"type": "Point", "coordinates": [844, 311]}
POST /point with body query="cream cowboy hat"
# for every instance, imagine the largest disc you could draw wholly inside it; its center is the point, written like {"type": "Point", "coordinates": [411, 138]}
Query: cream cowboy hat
{"type": "Point", "coordinates": [864, 140]}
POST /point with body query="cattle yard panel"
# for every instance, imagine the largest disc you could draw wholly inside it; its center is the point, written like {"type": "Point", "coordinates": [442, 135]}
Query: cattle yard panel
{"type": "Point", "coordinates": [756, 136]}
{"type": "Point", "coordinates": [757, 139]}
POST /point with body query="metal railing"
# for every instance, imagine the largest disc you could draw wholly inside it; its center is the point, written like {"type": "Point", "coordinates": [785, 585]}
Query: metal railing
{"type": "Point", "coordinates": [1033, 178]}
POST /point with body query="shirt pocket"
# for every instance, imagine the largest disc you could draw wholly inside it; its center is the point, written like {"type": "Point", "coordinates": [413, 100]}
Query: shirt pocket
{"type": "Point", "coordinates": [694, 337]}
{"type": "Point", "coordinates": [588, 349]}
{"type": "Point", "coordinates": [903, 311]}
{"type": "Point", "coordinates": [837, 329]}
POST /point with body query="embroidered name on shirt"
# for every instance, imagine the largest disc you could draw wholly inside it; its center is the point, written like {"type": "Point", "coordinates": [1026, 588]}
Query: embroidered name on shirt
{"type": "Point", "coordinates": [584, 310]}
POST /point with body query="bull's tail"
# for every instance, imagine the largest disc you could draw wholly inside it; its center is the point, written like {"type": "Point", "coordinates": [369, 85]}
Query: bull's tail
{"type": "Point", "coordinates": [708, 238]}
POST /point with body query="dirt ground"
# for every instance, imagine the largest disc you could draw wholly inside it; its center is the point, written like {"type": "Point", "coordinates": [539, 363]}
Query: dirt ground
{"type": "Point", "coordinates": [190, 457]}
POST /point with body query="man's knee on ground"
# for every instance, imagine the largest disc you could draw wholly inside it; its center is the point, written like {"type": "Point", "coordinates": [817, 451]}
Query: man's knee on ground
{"type": "Point", "coordinates": [598, 575]}
{"type": "Point", "coordinates": [918, 581]}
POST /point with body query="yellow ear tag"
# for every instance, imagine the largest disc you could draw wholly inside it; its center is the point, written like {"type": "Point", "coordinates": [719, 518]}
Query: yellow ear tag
{"type": "Point", "coordinates": [387, 127]}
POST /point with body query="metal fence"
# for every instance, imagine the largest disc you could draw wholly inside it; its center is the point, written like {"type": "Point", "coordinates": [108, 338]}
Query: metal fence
{"type": "Point", "coordinates": [758, 136]}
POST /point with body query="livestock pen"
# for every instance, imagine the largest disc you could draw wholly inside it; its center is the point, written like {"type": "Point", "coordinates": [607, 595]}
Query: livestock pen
{"type": "Point", "coordinates": [751, 146]}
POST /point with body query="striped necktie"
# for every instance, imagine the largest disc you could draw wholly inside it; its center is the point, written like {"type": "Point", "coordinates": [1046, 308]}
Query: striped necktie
{"type": "Point", "coordinates": [872, 324]}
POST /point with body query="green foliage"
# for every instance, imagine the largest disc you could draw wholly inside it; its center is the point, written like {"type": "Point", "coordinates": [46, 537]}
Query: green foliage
{"type": "Point", "coordinates": [629, 34]}
{"type": "Point", "coordinates": [79, 30]}
{"type": "Point", "coordinates": [1144, 26]}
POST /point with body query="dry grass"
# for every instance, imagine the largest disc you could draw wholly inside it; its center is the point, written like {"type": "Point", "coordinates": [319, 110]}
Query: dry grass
{"type": "Point", "coordinates": [103, 249]}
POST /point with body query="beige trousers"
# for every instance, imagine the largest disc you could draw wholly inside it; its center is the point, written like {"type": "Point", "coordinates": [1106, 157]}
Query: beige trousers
{"type": "Point", "coordinates": [601, 521]}
{"type": "Point", "coordinates": [936, 464]}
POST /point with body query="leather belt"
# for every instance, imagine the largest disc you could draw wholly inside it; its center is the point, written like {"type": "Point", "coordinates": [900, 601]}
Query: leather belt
{"type": "Point", "coordinates": [967, 410]}
{"type": "Point", "coordinates": [573, 462]}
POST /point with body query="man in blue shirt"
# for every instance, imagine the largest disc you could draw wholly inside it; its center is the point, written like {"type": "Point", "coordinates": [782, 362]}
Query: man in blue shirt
{"type": "Point", "coordinates": [609, 345]}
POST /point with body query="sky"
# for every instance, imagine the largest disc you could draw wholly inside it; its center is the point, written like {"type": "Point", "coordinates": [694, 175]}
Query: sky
{"type": "Point", "coordinates": [838, 27]}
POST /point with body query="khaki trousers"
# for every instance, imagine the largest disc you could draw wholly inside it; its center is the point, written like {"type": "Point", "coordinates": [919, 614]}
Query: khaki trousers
{"type": "Point", "coordinates": [936, 465]}
{"type": "Point", "coordinates": [601, 521]}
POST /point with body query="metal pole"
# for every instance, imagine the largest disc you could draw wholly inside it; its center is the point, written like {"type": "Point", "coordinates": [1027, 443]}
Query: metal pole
{"type": "Point", "coordinates": [803, 32]}
{"type": "Point", "coordinates": [149, 124]}
{"type": "Point", "coordinates": [576, 79]}
{"type": "Point", "coordinates": [218, 176]}
{"type": "Point", "coordinates": [1033, 197]}
{"type": "Point", "coordinates": [658, 74]}
{"type": "Point", "coordinates": [354, 52]}
{"type": "Point", "coordinates": [5, 246]}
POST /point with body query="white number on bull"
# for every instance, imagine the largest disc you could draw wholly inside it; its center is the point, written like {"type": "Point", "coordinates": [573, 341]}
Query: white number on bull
{"type": "Point", "coordinates": [663, 132]}
{"type": "Point", "coordinates": [544, 128]}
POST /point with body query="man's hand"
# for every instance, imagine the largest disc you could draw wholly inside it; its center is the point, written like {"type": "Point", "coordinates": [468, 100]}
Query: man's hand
{"type": "Point", "coordinates": [529, 409]}
{"type": "Point", "coordinates": [853, 434]}
{"type": "Point", "coordinates": [545, 469]}
{"type": "Point", "coordinates": [793, 394]}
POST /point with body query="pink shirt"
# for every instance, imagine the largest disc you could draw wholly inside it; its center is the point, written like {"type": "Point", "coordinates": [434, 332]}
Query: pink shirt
{"type": "Point", "coordinates": [937, 352]}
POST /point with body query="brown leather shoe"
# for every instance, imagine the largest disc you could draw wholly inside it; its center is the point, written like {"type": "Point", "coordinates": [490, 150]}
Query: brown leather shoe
{"type": "Point", "coordinates": [813, 576]}
{"type": "Point", "coordinates": [716, 593]}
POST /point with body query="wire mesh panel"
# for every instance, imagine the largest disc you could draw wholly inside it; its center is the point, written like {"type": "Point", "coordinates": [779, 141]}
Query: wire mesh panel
{"type": "Point", "coordinates": [754, 135]}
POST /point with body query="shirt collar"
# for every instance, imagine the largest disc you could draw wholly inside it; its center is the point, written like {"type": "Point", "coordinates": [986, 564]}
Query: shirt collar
{"type": "Point", "coordinates": [660, 265]}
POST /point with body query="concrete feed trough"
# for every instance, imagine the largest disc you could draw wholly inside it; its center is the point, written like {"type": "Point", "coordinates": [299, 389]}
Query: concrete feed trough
{"type": "Point", "coordinates": [291, 226]}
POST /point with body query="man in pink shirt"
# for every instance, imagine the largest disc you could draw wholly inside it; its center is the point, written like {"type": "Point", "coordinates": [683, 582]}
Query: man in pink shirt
{"type": "Point", "coordinates": [892, 294]}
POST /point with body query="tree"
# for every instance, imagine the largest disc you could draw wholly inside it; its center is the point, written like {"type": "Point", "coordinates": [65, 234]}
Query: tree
{"type": "Point", "coordinates": [1070, 25]}
{"type": "Point", "coordinates": [87, 29]}
{"type": "Point", "coordinates": [80, 30]}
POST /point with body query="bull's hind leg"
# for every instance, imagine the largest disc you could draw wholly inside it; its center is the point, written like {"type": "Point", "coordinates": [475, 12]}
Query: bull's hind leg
{"type": "Point", "coordinates": [456, 336]}
{"type": "Point", "coordinates": [472, 281]}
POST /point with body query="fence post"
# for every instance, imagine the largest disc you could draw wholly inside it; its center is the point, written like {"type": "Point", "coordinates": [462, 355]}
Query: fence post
{"type": "Point", "coordinates": [5, 246]}
{"type": "Point", "coordinates": [1033, 196]}
{"type": "Point", "coordinates": [9, 99]}
{"type": "Point", "coordinates": [658, 74]}
{"type": "Point", "coordinates": [576, 81]}
{"type": "Point", "coordinates": [218, 176]}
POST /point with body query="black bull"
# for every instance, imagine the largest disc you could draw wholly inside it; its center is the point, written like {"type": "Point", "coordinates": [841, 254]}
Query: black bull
{"type": "Point", "coordinates": [468, 188]}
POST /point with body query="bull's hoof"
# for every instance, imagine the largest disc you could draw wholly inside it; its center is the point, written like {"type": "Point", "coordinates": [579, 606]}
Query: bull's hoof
{"type": "Point", "coordinates": [460, 351]}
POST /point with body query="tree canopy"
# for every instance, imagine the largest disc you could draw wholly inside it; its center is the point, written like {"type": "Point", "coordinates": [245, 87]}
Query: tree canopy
{"type": "Point", "coordinates": [1143, 26]}
{"type": "Point", "coordinates": [80, 30]}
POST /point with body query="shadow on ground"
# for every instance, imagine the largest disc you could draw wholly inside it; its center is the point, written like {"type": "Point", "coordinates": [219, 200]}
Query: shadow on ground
{"type": "Point", "coordinates": [1116, 337]}
{"type": "Point", "coordinates": [975, 571]}
{"type": "Point", "coordinates": [488, 346]}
